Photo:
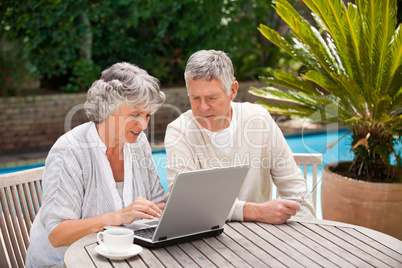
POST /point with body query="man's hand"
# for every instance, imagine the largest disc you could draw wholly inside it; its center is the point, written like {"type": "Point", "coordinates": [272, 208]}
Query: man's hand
{"type": "Point", "coordinates": [276, 211]}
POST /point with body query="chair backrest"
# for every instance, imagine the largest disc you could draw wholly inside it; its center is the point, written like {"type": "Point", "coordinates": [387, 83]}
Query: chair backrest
{"type": "Point", "coordinates": [20, 199]}
{"type": "Point", "coordinates": [305, 160]}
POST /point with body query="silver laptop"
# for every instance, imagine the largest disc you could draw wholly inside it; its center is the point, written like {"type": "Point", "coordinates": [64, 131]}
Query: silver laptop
{"type": "Point", "coordinates": [198, 206]}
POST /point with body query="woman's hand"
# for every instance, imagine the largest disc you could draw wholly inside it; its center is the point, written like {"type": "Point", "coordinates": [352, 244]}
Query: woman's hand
{"type": "Point", "coordinates": [161, 205]}
{"type": "Point", "coordinates": [140, 208]}
{"type": "Point", "coordinates": [69, 231]}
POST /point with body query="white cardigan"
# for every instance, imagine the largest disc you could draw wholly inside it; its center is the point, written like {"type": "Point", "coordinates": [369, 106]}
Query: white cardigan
{"type": "Point", "coordinates": [258, 142]}
{"type": "Point", "coordinates": [78, 184]}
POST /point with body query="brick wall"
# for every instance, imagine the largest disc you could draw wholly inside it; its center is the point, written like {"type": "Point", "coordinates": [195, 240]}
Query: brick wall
{"type": "Point", "coordinates": [33, 124]}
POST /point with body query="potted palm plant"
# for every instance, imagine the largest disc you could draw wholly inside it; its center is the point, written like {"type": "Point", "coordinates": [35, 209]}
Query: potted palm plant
{"type": "Point", "coordinates": [353, 75]}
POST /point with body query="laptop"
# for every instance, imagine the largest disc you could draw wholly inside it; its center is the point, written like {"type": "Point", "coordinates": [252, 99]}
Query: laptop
{"type": "Point", "coordinates": [198, 206]}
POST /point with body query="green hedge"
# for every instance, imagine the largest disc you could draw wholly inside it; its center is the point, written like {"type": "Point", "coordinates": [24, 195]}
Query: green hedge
{"type": "Point", "coordinates": [66, 43]}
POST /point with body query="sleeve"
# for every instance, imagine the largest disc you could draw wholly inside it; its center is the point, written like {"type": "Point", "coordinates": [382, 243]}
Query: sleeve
{"type": "Point", "coordinates": [180, 156]}
{"type": "Point", "coordinates": [236, 213]}
{"type": "Point", "coordinates": [156, 192]}
{"type": "Point", "coordinates": [286, 175]}
{"type": "Point", "coordinates": [62, 187]}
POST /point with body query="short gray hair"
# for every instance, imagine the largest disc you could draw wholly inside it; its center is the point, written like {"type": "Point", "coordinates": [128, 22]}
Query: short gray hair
{"type": "Point", "coordinates": [122, 82]}
{"type": "Point", "coordinates": [209, 65]}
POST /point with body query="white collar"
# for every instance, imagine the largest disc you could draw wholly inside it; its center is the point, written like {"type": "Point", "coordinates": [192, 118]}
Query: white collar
{"type": "Point", "coordinates": [94, 135]}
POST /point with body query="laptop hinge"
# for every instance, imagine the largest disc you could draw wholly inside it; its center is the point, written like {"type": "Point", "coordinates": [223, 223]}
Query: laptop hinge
{"type": "Point", "coordinates": [215, 227]}
{"type": "Point", "coordinates": [162, 238]}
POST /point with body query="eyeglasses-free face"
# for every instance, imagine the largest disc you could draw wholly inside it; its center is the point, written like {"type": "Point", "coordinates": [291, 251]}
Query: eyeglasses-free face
{"type": "Point", "coordinates": [210, 104]}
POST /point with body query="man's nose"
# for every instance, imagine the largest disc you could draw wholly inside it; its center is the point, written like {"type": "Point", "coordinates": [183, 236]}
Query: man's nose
{"type": "Point", "coordinates": [204, 106]}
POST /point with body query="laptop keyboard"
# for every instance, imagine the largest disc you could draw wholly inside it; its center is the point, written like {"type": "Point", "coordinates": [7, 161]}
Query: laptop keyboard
{"type": "Point", "coordinates": [146, 233]}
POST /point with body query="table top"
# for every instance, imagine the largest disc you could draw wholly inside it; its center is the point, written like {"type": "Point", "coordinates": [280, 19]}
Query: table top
{"type": "Point", "coordinates": [316, 243]}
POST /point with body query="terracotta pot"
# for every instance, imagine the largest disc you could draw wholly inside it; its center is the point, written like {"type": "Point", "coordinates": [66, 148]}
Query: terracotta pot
{"type": "Point", "coordinates": [376, 206]}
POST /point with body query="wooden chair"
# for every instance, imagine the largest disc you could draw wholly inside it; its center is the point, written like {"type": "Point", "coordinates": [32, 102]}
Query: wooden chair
{"type": "Point", "coordinates": [20, 199]}
{"type": "Point", "coordinates": [305, 160]}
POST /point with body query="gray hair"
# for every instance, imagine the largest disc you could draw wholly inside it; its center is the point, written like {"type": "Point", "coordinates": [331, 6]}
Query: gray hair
{"type": "Point", "coordinates": [209, 65]}
{"type": "Point", "coordinates": [122, 82]}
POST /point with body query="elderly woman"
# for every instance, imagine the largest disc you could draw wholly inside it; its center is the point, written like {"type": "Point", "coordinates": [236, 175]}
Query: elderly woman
{"type": "Point", "coordinates": [101, 172]}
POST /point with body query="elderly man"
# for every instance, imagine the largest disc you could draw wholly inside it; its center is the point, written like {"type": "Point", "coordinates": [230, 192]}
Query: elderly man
{"type": "Point", "coordinates": [218, 132]}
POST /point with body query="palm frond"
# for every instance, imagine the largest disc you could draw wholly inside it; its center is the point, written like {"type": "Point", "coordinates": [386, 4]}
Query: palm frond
{"type": "Point", "coordinates": [301, 87]}
{"type": "Point", "coordinates": [396, 48]}
{"type": "Point", "coordinates": [290, 96]}
{"type": "Point", "coordinates": [364, 64]}
{"type": "Point", "coordinates": [396, 82]}
{"type": "Point", "coordinates": [340, 89]}
{"type": "Point", "coordinates": [338, 55]}
{"type": "Point", "coordinates": [381, 109]}
{"type": "Point", "coordinates": [386, 24]}
{"type": "Point", "coordinates": [357, 96]}
{"type": "Point", "coordinates": [286, 109]}
{"type": "Point", "coordinates": [397, 97]}
{"type": "Point", "coordinates": [308, 34]}
{"type": "Point", "coordinates": [325, 105]}
{"type": "Point", "coordinates": [397, 120]}
{"type": "Point", "coordinates": [392, 79]}
{"type": "Point", "coordinates": [353, 29]}
{"type": "Point", "coordinates": [279, 41]}
{"type": "Point", "coordinates": [369, 10]}
{"type": "Point", "coordinates": [354, 122]}
{"type": "Point", "coordinates": [395, 125]}
{"type": "Point", "coordinates": [330, 14]}
{"type": "Point", "coordinates": [272, 93]}
{"type": "Point", "coordinates": [292, 81]}
{"type": "Point", "coordinates": [387, 78]}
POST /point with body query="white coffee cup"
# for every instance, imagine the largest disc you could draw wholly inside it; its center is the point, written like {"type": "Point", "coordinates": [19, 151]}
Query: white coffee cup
{"type": "Point", "coordinates": [116, 240]}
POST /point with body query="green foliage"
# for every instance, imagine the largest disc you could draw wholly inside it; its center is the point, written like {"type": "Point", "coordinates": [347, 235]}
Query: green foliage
{"type": "Point", "coordinates": [49, 30]}
{"type": "Point", "coordinates": [15, 70]}
{"type": "Point", "coordinates": [10, 65]}
{"type": "Point", "coordinates": [158, 36]}
{"type": "Point", "coordinates": [353, 64]}
{"type": "Point", "coordinates": [83, 75]}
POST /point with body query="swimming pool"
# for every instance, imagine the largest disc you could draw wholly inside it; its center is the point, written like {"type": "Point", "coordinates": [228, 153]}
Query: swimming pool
{"type": "Point", "coordinates": [14, 169]}
{"type": "Point", "coordinates": [308, 143]}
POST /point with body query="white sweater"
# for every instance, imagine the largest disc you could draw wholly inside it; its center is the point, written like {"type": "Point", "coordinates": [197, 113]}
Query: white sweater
{"type": "Point", "coordinates": [258, 142]}
{"type": "Point", "coordinates": [78, 183]}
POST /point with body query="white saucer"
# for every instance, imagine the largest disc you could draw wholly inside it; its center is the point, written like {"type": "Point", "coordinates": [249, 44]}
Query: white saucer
{"type": "Point", "coordinates": [134, 250]}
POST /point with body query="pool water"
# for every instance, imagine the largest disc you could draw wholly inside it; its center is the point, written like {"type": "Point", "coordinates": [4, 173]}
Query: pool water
{"type": "Point", "coordinates": [299, 144]}
{"type": "Point", "coordinates": [14, 169]}
{"type": "Point", "coordinates": [316, 143]}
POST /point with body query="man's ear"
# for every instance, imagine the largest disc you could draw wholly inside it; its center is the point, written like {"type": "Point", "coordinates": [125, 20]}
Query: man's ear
{"type": "Point", "coordinates": [234, 89]}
